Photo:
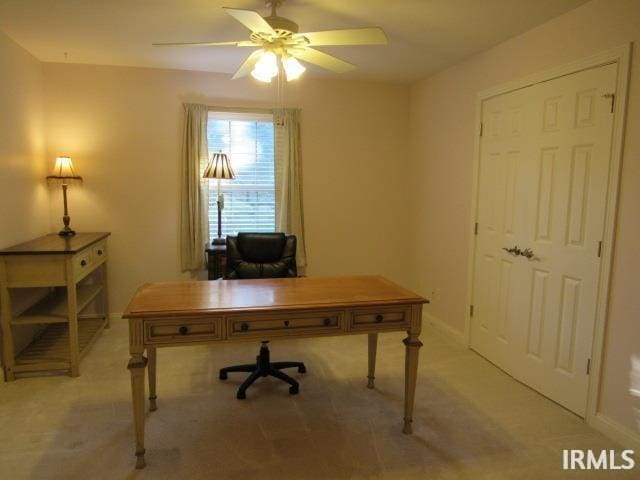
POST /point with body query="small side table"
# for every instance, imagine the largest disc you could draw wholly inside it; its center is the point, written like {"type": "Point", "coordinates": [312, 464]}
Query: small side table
{"type": "Point", "coordinates": [216, 261]}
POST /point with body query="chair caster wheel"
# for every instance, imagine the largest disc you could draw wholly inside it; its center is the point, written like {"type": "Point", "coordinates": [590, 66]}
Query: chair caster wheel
{"type": "Point", "coordinates": [223, 375]}
{"type": "Point", "coordinates": [241, 396]}
{"type": "Point", "coordinates": [302, 369]}
{"type": "Point", "coordinates": [294, 390]}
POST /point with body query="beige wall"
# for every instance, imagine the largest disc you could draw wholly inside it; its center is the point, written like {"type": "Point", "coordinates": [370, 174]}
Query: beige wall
{"type": "Point", "coordinates": [23, 193]}
{"type": "Point", "coordinates": [123, 127]}
{"type": "Point", "coordinates": [442, 119]}
{"type": "Point", "coordinates": [24, 202]}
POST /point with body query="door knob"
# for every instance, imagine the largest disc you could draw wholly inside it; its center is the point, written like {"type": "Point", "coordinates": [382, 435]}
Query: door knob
{"type": "Point", "coordinates": [515, 251]}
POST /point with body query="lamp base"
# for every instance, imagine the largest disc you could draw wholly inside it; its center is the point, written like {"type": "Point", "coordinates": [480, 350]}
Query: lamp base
{"type": "Point", "coordinates": [66, 232]}
{"type": "Point", "coordinates": [219, 241]}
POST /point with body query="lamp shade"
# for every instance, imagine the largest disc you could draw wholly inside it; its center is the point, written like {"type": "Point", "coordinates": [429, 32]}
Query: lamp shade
{"type": "Point", "coordinates": [266, 68]}
{"type": "Point", "coordinates": [219, 167]}
{"type": "Point", "coordinates": [64, 172]}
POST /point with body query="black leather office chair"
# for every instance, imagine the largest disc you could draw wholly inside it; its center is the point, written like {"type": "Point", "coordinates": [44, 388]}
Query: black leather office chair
{"type": "Point", "coordinates": [262, 255]}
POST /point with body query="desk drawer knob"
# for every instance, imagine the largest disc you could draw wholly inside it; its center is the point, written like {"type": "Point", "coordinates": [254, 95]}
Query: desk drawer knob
{"type": "Point", "coordinates": [244, 326]}
{"type": "Point", "coordinates": [286, 323]}
{"type": "Point", "coordinates": [99, 252]}
{"type": "Point", "coordinates": [83, 263]}
{"type": "Point", "coordinates": [183, 330]}
{"type": "Point", "coordinates": [379, 318]}
{"type": "Point", "coordinates": [326, 322]}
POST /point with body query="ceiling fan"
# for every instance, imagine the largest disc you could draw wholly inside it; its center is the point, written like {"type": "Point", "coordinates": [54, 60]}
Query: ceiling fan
{"type": "Point", "coordinates": [279, 43]}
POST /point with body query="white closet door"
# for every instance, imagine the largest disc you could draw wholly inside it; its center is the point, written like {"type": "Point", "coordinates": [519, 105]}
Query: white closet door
{"type": "Point", "coordinates": [544, 165]}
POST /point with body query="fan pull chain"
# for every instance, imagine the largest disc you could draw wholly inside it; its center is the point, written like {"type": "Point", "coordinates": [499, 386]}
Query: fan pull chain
{"type": "Point", "coordinates": [280, 85]}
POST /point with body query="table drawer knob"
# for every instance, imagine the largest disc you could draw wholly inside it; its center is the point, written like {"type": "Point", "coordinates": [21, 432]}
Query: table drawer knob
{"type": "Point", "coordinates": [379, 318]}
{"type": "Point", "coordinates": [183, 330]}
{"type": "Point", "coordinates": [99, 252]}
{"type": "Point", "coordinates": [286, 323]}
{"type": "Point", "coordinates": [244, 326]}
{"type": "Point", "coordinates": [83, 263]}
{"type": "Point", "coordinates": [327, 322]}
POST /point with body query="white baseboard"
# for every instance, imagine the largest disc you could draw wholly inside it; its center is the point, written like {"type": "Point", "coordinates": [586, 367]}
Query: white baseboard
{"type": "Point", "coordinates": [444, 328]}
{"type": "Point", "coordinates": [626, 437]}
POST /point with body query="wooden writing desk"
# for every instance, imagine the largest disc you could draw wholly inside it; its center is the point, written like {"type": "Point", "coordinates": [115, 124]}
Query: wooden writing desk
{"type": "Point", "coordinates": [188, 313]}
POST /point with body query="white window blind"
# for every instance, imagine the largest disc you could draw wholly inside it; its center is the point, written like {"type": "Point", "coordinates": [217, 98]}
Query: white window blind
{"type": "Point", "coordinates": [249, 199]}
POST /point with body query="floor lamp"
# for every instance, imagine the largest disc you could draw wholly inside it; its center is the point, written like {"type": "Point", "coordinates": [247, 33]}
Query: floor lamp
{"type": "Point", "coordinates": [219, 168]}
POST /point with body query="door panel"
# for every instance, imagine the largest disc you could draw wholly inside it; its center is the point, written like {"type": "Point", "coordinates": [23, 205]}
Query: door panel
{"type": "Point", "coordinates": [542, 186]}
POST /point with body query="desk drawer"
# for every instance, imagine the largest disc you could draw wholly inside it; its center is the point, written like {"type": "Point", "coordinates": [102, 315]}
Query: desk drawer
{"type": "Point", "coordinates": [178, 331]}
{"type": "Point", "coordinates": [380, 318]}
{"type": "Point", "coordinates": [285, 324]}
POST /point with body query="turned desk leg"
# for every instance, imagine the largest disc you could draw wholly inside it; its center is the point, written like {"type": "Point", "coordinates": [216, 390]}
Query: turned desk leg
{"type": "Point", "coordinates": [412, 348]}
{"type": "Point", "coordinates": [373, 347]}
{"type": "Point", "coordinates": [136, 366]}
{"type": "Point", "coordinates": [151, 354]}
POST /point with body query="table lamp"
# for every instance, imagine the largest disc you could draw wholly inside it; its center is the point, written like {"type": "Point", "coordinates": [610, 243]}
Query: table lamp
{"type": "Point", "coordinates": [219, 168]}
{"type": "Point", "coordinates": [64, 174]}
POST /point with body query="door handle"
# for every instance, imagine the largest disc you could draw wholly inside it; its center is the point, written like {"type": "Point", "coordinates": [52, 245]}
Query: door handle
{"type": "Point", "coordinates": [528, 253]}
{"type": "Point", "coordinates": [515, 251]}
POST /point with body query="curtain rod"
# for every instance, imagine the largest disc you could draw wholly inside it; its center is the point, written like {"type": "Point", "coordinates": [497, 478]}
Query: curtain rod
{"type": "Point", "coordinates": [212, 108]}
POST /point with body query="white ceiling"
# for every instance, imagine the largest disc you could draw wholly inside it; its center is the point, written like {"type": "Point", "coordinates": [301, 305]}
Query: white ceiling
{"type": "Point", "coordinates": [425, 36]}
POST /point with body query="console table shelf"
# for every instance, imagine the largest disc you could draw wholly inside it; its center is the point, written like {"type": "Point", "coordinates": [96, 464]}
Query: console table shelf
{"type": "Point", "coordinates": [54, 308]}
{"type": "Point", "coordinates": [75, 271]}
{"type": "Point", "coordinates": [50, 350]}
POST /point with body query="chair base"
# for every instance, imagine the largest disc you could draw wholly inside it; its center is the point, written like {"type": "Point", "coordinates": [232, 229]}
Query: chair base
{"type": "Point", "coordinates": [264, 368]}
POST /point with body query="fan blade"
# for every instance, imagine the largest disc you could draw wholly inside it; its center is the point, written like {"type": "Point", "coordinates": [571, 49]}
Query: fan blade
{"type": "Point", "coordinates": [248, 64]}
{"type": "Point", "coordinates": [250, 19]}
{"type": "Point", "coordinates": [349, 36]}
{"type": "Point", "coordinates": [242, 43]}
{"type": "Point", "coordinates": [323, 60]}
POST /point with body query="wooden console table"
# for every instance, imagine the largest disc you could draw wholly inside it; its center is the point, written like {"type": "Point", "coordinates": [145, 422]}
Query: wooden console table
{"type": "Point", "coordinates": [60, 264]}
{"type": "Point", "coordinates": [188, 313]}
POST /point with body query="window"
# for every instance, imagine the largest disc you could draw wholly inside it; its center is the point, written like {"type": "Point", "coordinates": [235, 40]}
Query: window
{"type": "Point", "coordinates": [249, 199]}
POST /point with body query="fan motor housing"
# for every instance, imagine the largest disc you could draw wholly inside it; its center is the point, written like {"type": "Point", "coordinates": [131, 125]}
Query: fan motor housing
{"type": "Point", "coordinates": [281, 23]}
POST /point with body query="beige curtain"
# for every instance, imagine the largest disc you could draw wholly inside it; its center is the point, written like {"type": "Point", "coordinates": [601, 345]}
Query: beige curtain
{"type": "Point", "coordinates": [193, 200]}
{"type": "Point", "coordinates": [288, 168]}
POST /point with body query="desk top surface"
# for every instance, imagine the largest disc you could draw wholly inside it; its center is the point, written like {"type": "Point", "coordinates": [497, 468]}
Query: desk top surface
{"type": "Point", "coordinates": [54, 244]}
{"type": "Point", "coordinates": [228, 296]}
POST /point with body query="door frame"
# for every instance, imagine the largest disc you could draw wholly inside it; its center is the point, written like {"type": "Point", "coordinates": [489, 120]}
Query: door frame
{"type": "Point", "coordinates": [621, 56]}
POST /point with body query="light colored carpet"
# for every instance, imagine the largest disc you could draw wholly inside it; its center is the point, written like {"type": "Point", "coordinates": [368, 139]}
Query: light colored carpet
{"type": "Point", "coordinates": [472, 421]}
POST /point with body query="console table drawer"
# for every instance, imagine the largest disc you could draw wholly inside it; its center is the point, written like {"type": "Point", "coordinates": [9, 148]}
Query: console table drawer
{"type": "Point", "coordinates": [82, 263]}
{"type": "Point", "coordinates": [382, 318]}
{"type": "Point", "coordinates": [285, 324]}
{"type": "Point", "coordinates": [182, 330]}
{"type": "Point", "coordinates": [99, 252]}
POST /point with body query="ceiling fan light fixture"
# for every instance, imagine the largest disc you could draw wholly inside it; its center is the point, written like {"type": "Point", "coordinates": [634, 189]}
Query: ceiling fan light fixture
{"type": "Point", "coordinates": [292, 68]}
{"type": "Point", "coordinates": [277, 37]}
{"type": "Point", "coordinates": [266, 68]}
